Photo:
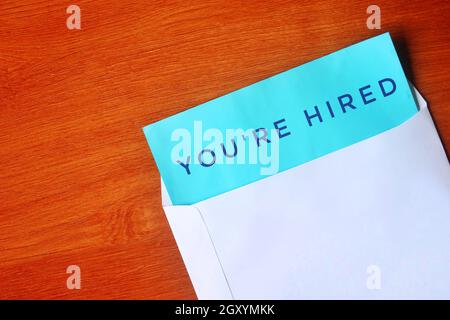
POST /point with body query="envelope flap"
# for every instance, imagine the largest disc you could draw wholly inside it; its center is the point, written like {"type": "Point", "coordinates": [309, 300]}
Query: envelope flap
{"type": "Point", "coordinates": [318, 231]}
{"type": "Point", "coordinates": [198, 252]}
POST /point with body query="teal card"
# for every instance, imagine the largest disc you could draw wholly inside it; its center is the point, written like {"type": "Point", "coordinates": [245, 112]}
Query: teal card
{"type": "Point", "coordinates": [282, 122]}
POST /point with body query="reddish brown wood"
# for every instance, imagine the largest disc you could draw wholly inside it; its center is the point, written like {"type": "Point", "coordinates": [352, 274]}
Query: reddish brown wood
{"type": "Point", "coordinates": [78, 183]}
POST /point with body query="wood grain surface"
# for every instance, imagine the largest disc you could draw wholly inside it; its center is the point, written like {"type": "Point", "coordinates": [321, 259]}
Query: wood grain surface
{"type": "Point", "coordinates": [78, 182]}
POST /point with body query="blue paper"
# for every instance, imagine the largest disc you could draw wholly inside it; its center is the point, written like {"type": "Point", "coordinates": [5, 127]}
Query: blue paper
{"type": "Point", "coordinates": [308, 112]}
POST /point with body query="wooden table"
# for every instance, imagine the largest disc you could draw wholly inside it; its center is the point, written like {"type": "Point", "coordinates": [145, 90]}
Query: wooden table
{"type": "Point", "coordinates": [78, 182]}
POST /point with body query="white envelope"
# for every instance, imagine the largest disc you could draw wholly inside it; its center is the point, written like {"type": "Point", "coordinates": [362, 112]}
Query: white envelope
{"type": "Point", "coordinates": [370, 221]}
